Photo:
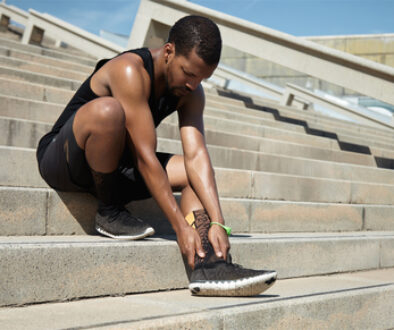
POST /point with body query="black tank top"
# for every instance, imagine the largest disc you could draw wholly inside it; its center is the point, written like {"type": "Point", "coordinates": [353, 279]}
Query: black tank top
{"type": "Point", "coordinates": [166, 105]}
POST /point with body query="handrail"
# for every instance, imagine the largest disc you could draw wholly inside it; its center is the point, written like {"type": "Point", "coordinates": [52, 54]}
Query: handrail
{"type": "Point", "coordinates": [226, 73]}
{"type": "Point", "coordinates": [343, 69]}
{"type": "Point", "coordinates": [357, 113]}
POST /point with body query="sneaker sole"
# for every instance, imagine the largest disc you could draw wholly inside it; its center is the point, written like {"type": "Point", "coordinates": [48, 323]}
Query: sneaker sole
{"type": "Point", "coordinates": [246, 287]}
{"type": "Point", "coordinates": [146, 233]}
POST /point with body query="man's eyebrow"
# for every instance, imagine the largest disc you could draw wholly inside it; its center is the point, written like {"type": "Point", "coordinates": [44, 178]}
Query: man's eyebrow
{"type": "Point", "coordinates": [188, 72]}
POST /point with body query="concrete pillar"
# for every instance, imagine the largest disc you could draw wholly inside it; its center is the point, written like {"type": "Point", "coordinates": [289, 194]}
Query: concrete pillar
{"type": "Point", "coordinates": [140, 27]}
{"type": "Point", "coordinates": [4, 22]}
{"type": "Point", "coordinates": [147, 32]}
{"type": "Point", "coordinates": [32, 34]}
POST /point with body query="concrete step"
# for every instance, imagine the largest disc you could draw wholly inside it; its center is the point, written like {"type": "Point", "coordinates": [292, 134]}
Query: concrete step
{"type": "Point", "coordinates": [17, 107]}
{"type": "Point", "coordinates": [353, 134]}
{"type": "Point", "coordinates": [262, 144]}
{"type": "Point", "coordinates": [31, 92]}
{"type": "Point", "coordinates": [359, 300]}
{"type": "Point", "coordinates": [11, 34]}
{"type": "Point", "coordinates": [36, 78]}
{"type": "Point", "coordinates": [254, 129]}
{"type": "Point", "coordinates": [59, 63]}
{"type": "Point", "coordinates": [41, 269]}
{"type": "Point", "coordinates": [309, 115]}
{"type": "Point", "coordinates": [259, 161]}
{"type": "Point", "coordinates": [43, 211]}
{"type": "Point", "coordinates": [254, 121]}
{"type": "Point", "coordinates": [26, 134]}
{"type": "Point", "coordinates": [16, 162]}
{"type": "Point", "coordinates": [59, 54]}
{"type": "Point", "coordinates": [41, 68]}
{"type": "Point", "coordinates": [269, 132]}
{"type": "Point", "coordinates": [210, 122]}
{"type": "Point", "coordinates": [55, 71]}
{"type": "Point", "coordinates": [285, 112]}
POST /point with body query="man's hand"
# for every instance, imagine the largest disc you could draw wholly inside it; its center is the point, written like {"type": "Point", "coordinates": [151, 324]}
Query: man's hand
{"type": "Point", "coordinates": [219, 240]}
{"type": "Point", "coordinates": [190, 243]}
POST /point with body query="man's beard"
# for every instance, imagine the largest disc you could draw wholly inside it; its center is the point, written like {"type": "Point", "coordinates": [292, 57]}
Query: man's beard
{"type": "Point", "coordinates": [172, 90]}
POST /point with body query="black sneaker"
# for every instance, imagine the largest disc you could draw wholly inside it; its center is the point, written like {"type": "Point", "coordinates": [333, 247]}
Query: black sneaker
{"type": "Point", "coordinates": [117, 222]}
{"type": "Point", "coordinates": [223, 278]}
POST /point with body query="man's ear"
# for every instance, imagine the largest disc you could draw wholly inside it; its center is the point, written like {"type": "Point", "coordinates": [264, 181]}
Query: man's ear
{"type": "Point", "coordinates": [169, 50]}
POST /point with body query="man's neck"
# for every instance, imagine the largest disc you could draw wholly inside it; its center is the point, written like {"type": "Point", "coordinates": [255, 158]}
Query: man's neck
{"type": "Point", "coordinates": [159, 72]}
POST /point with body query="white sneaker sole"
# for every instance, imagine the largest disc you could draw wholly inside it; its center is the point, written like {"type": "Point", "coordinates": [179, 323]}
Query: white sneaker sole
{"type": "Point", "coordinates": [148, 232]}
{"type": "Point", "coordinates": [245, 287]}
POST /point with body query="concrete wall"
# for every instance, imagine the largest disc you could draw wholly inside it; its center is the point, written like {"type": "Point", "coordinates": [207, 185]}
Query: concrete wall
{"type": "Point", "coordinates": [378, 48]}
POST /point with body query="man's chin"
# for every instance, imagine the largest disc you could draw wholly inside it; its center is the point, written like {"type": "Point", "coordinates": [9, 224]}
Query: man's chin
{"type": "Point", "coordinates": [178, 92]}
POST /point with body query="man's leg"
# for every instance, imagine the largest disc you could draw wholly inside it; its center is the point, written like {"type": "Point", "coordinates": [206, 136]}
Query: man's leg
{"type": "Point", "coordinates": [99, 130]}
{"type": "Point", "coordinates": [213, 276]}
{"type": "Point", "coordinates": [178, 180]}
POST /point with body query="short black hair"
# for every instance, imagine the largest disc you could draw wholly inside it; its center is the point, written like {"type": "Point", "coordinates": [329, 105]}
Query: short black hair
{"type": "Point", "coordinates": [197, 32]}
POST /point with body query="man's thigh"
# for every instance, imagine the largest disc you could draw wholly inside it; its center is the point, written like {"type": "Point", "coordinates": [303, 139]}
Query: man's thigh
{"type": "Point", "coordinates": [132, 186]}
{"type": "Point", "coordinates": [63, 165]}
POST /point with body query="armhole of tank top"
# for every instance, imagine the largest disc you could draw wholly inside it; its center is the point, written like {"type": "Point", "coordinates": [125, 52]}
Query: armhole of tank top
{"type": "Point", "coordinates": [147, 58]}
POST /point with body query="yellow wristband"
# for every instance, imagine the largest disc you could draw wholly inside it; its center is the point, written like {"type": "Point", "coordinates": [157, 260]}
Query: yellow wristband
{"type": "Point", "coordinates": [227, 229]}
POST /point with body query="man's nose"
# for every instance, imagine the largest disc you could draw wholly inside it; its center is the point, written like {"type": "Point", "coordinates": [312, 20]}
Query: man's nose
{"type": "Point", "coordinates": [192, 85]}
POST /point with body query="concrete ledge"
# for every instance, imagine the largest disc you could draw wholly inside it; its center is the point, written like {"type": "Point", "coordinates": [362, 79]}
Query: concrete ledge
{"type": "Point", "coordinates": [14, 13]}
{"type": "Point", "coordinates": [377, 218]}
{"type": "Point", "coordinates": [30, 211]}
{"type": "Point", "coordinates": [17, 107]}
{"type": "Point", "coordinates": [23, 211]}
{"type": "Point", "coordinates": [58, 63]}
{"type": "Point", "coordinates": [16, 45]}
{"type": "Point", "coordinates": [42, 79]}
{"type": "Point", "coordinates": [23, 133]}
{"type": "Point", "coordinates": [16, 162]}
{"type": "Point", "coordinates": [68, 33]}
{"type": "Point", "coordinates": [222, 102]}
{"type": "Point", "coordinates": [31, 92]}
{"type": "Point", "coordinates": [21, 109]}
{"type": "Point", "coordinates": [312, 122]}
{"type": "Point", "coordinates": [41, 68]}
{"type": "Point", "coordinates": [52, 268]}
{"type": "Point", "coordinates": [359, 300]}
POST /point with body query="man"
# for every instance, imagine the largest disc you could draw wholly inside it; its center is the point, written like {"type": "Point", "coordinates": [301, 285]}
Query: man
{"type": "Point", "coordinates": [104, 142]}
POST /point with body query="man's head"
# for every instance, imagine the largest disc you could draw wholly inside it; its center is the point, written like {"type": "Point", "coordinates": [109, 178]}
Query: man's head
{"type": "Point", "coordinates": [198, 33]}
{"type": "Point", "coordinates": [192, 53]}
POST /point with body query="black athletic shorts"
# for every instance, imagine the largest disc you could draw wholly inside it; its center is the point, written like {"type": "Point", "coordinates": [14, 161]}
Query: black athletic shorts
{"type": "Point", "coordinates": [64, 167]}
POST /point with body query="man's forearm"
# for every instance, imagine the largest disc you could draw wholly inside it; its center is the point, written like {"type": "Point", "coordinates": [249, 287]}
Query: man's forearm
{"type": "Point", "coordinates": [202, 178]}
{"type": "Point", "coordinates": [157, 182]}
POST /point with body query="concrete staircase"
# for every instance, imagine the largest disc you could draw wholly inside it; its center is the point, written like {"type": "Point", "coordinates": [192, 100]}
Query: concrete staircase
{"type": "Point", "coordinates": [307, 195]}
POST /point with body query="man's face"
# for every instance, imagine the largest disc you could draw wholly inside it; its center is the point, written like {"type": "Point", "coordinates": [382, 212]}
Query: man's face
{"type": "Point", "coordinates": [185, 73]}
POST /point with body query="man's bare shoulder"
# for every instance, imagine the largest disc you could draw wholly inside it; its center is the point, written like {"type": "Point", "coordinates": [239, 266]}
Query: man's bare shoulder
{"type": "Point", "coordinates": [121, 73]}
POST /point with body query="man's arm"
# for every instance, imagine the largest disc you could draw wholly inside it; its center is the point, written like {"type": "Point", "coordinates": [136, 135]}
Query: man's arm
{"type": "Point", "coordinates": [199, 167]}
{"type": "Point", "coordinates": [130, 85]}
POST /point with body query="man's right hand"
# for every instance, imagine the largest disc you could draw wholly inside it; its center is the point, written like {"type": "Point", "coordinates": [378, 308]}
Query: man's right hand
{"type": "Point", "coordinates": [190, 243]}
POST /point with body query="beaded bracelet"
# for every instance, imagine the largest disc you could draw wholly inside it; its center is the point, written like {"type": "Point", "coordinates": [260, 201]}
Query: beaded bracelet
{"type": "Point", "coordinates": [227, 229]}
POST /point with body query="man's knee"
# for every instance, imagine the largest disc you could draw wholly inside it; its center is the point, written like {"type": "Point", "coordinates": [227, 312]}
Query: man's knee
{"type": "Point", "coordinates": [109, 114]}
